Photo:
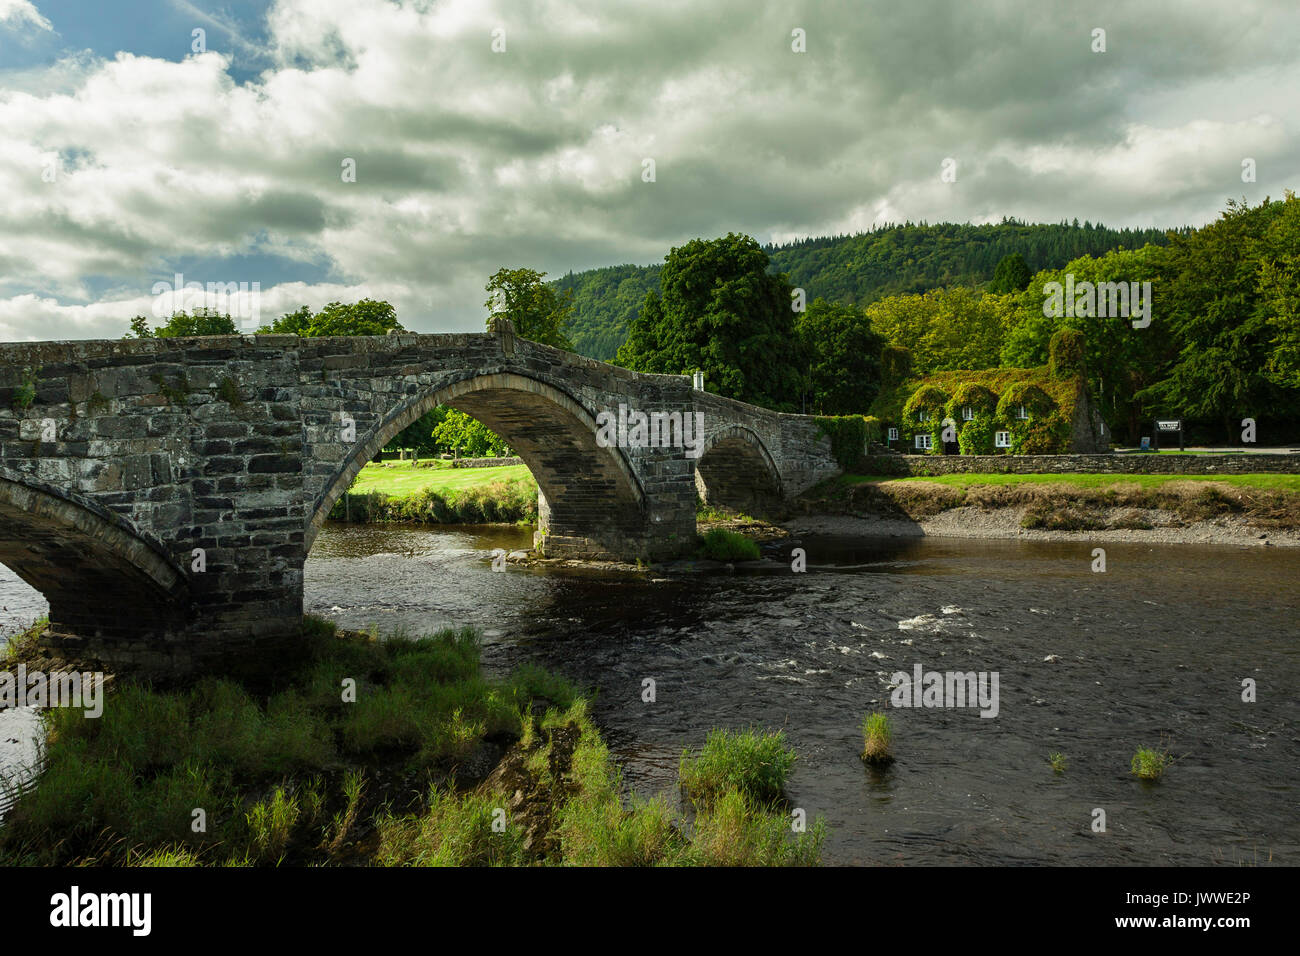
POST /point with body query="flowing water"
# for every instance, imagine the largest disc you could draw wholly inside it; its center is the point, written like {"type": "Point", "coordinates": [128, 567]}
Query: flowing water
{"type": "Point", "coordinates": [1151, 652]}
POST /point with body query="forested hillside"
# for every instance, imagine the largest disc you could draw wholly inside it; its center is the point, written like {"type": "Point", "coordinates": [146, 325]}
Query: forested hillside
{"type": "Point", "coordinates": [857, 269]}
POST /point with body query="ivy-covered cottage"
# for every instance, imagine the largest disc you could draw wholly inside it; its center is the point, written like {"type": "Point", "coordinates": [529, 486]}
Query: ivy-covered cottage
{"type": "Point", "coordinates": [1018, 411]}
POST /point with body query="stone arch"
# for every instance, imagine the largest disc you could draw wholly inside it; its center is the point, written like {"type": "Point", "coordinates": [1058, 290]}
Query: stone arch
{"type": "Point", "coordinates": [102, 578]}
{"type": "Point", "coordinates": [735, 470]}
{"type": "Point", "coordinates": [586, 491]}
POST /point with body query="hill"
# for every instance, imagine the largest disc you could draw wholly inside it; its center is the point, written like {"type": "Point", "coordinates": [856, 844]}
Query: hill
{"type": "Point", "coordinates": [859, 269]}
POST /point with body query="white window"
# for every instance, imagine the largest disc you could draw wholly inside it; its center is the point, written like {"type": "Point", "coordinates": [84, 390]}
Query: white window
{"type": "Point", "coordinates": [923, 441]}
{"type": "Point", "coordinates": [1002, 439]}
{"type": "Point", "coordinates": [967, 413]}
{"type": "Point", "coordinates": [1022, 412]}
{"type": "Point", "coordinates": [922, 415]}
{"type": "Point", "coordinates": [893, 434]}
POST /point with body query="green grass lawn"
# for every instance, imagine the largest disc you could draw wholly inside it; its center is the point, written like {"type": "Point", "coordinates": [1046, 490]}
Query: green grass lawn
{"type": "Point", "coordinates": [399, 479]}
{"type": "Point", "coordinates": [1268, 482]}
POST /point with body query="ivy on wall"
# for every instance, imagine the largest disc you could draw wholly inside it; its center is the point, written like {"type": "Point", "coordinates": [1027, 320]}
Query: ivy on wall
{"type": "Point", "coordinates": [849, 435]}
{"type": "Point", "coordinates": [974, 437]}
{"type": "Point", "coordinates": [931, 400]}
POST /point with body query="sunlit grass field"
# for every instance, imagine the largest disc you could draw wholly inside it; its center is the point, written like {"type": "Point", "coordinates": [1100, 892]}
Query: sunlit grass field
{"type": "Point", "coordinates": [401, 478]}
{"type": "Point", "coordinates": [1268, 482]}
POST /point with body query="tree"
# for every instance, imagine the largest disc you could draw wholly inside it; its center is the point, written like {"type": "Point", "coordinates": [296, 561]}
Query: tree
{"type": "Point", "coordinates": [469, 436]}
{"type": "Point", "coordinates": [1011, 275]}
{"type": "Point", "coordinates": [720, 310]}
{"type": "Point", "coordinates": [1279, 286]}
{"type": "Point", "coordinates": [367, 317]}
{"type": "Point", "coordinates": [202, 321]}
{"type": "Point", "coordinates": [843, 358]}
{"type": "Point", "coordinates": [539, 311]}
{"type": "Point", "coordinates": [1219, 318]}
{"type": "Point", "coordinates": [944, 329]}
{"type": "Point", "coordinates": [1119, 360]}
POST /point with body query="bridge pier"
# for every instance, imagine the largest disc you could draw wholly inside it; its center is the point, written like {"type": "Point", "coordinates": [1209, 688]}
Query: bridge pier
{"type": "Point", "coordinates": [667, 532]}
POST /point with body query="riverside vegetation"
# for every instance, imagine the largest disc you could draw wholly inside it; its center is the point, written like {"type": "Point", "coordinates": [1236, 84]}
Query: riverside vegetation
{"type": "Point", "coordinates": [1076, 502]}
{"type": "Point", "coordinates": [433, 764]}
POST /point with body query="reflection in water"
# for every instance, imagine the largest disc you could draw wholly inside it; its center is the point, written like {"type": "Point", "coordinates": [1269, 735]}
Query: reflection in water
{"type": "Point", "coordinates": [1092, 665]}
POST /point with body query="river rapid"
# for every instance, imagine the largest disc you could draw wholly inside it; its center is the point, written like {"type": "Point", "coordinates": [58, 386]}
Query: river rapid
{"type": "Point", "coordinates": [1151, 652]}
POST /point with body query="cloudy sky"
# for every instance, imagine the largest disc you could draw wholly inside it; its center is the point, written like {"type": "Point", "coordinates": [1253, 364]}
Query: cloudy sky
{"type": "Point", "coordinates": [133, 148]}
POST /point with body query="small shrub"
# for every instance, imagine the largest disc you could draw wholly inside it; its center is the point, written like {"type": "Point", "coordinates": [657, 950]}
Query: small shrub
{"type": "Point", "coordinates": [723, 545]}
{"type": "Point", "coordinates": [1150, 764]}
{"type": "Point", "coordinates": [1057, 760]}
{"type": "Point", "coordinates": [877, 738]}
{"type": "Point", "coordinates": [751, 761]}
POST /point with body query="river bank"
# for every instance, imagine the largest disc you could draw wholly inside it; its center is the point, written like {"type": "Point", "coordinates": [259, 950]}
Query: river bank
{"type": "Point", "coordinates": [393, 752]}
{"type": "Point", "coordinates": [1058, 508]}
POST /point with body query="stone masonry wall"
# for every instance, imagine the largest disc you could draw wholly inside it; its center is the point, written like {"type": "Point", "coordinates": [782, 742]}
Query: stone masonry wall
{"type": "Point", "coordinates": [1134, 464]}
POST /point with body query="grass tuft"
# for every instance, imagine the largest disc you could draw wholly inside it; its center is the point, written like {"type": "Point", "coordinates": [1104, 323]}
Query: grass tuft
{"type": "Point", "coordinates": [877, 738]}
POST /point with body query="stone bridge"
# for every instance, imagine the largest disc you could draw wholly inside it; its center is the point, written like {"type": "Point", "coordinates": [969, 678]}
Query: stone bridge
{"type": "Point", "coordinates": [163, 494]}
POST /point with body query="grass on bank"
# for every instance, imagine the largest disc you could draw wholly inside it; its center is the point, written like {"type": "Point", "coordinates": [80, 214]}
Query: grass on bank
{"type": "Point", "coordinates": [1267, 482]}
{"type": "Point", "coordinates": [719, 544]}
{"type": "Point", "coordinates": [300, 775]}
{"type": "Point", "coordinates": [1071, 502]}
{"type": "Point", "coordinates": [754, 763]}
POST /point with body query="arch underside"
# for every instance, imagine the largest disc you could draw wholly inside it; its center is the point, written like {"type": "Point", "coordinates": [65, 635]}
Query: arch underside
{"type": "Point", "coordinates": [590, 492]}
{"type": "Point", "coordinates": [736, 472]}
{"type": "Point", "coordinates": [100, 578]}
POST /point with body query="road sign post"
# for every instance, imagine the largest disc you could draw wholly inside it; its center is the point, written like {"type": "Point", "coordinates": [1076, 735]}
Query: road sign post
{"type": "Point", "coordinates": [1167, 426]}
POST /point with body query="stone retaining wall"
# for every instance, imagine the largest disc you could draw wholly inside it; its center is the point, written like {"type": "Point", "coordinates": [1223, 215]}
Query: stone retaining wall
{"type": "Point", "coordinates": [1129, 464]}
{"type": "Point", "coordinates": [485, 462]}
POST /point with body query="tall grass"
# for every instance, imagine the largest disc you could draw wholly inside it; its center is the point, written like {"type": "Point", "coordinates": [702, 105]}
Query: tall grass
{"type": "Point", "coordinates": [877, 738]}
{"type": "Point", "coordinates": [750, 761]}
{"type": "Point", "coordinates": [719, 544]}
{"type": "Point", "coordinates": [497, 501]}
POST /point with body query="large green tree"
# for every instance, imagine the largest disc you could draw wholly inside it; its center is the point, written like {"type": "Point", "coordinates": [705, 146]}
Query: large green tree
{"type": "Point", "coordinates": [843, 354]}
{"type": "Point", "coordinates": [202, 321]}
{"type": "Point", "coordinates": [538, 310]}
{"type": "Point", "coordinates": [1120, 360]}
{"type": "Point", "coordinates": [943, 329]}
{"type": "Point", "coordinates": [1219, 297]}
{"type": "Point", "coordinates": [367, 317]}
{"type": "Point", "coordinates": [721, 311]}
{"type": "Point", "coordinates": [1011, 275]}
{"type": "Point", "coordinates": [469, 437]}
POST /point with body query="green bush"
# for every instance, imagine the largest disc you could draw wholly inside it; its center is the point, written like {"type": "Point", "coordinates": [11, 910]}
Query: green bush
{"type": "Point", "coordinates": [751, 761]}
{"type": "Point", "coordinates": [720, 544]}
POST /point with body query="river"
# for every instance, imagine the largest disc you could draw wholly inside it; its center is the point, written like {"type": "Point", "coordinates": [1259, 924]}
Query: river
{"type": "Point", "coordinates": [1092, 665]}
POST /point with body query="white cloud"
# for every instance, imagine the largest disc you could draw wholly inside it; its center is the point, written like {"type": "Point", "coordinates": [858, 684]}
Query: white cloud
{"type": "Point", "coordinates": [469, 160]}
{"type": "Point", "coordinates": [15, 13]}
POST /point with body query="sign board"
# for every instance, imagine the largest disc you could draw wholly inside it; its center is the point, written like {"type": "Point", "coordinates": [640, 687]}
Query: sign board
{"type": "Point", "coordinates": [1146, 444]}
{"type": "Point", "coordinates": [1168, 426]}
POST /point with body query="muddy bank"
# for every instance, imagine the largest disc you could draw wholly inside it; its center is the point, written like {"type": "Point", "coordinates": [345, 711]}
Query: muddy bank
{"type": "Point", "coordinates": [969, 522]}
